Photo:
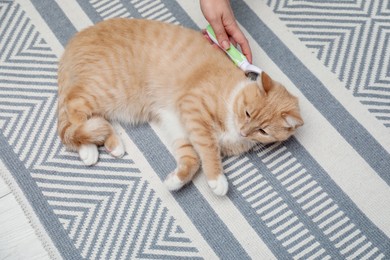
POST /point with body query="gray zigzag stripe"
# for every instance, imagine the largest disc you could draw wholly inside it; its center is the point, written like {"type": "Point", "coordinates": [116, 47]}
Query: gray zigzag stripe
{"type": "Point", "coordinates": [313, 243]}
{"type": "Point", "coordinates": [19, 92]}
{"type": "Point", "coordinates": [110, 9]}
{"type": "Point", "coordinates": [265, 201]}
{"type": "Point", "coordinates": [341, 35]}
{"type": "Point", "coordinates": [267, 186]}
{"type": "Point", "coordinates": [50, 221]}
{"type": "Point", "coordinates": [53, 170]}
{"type": "Point", "coordinates": [316, 203]}
{"type": "Point", "coordinates": [350, 129]}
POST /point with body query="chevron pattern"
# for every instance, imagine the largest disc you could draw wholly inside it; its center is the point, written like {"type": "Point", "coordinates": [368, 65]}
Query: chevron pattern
{"type": "Point", "coordinates": [283, 198]}
{"type": "Point", "coordinates": [266, 202]}
{"type": "Point", "coordinates": [102, 208]}
{"type": "Point", "coordinates": [316, 203]}
{"type": "Point", "coordinates": [341, 35]}
{"type": "Point", "coordinates": [28, 82]}
{"type": "Point", "coordinates": [110, 9]}
{"type": "Point", "coordinates": [297, 185]}
{"type": "Point", "coordinates": [154, 9]}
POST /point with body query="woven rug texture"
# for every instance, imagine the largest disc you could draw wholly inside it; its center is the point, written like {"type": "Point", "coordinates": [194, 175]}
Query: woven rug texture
{"type": "Point", "coordinates": [322, 194]}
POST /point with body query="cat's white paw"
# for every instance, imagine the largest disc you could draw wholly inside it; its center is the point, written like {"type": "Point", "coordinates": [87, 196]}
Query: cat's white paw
{"type": "Point", "coordinates": [89, 154]}
{"type": "Point", "coordinates": [219, 186]}
{"type": "Point", "coordinates": [118, 151]}
{"type": "Point", "coordinates": [173, 182]}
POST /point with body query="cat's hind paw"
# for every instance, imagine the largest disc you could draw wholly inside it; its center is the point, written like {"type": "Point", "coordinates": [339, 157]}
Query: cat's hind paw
{"type": "Point", "coordinates": [219, 186]}
{"type": "Point", "coordinates": [89, 154]}
{"type": "Point", "coordinates": [173, 182]}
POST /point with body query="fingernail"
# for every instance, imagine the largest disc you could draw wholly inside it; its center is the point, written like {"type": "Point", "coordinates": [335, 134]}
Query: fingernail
{"type": "Point", "coordinates": [225, 45]}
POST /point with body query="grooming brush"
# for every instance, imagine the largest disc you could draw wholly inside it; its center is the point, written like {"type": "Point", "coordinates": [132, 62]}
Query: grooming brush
{"type": "Point", "coordinates": [251, 71]}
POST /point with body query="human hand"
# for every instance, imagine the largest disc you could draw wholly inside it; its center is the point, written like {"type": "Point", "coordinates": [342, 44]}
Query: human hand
{"type": "Point", "coordinates": [221, 18]}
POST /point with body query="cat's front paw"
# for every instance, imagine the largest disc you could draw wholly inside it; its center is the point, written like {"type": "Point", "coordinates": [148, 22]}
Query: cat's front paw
{"type": "Point", "coordinates": [173, 182]}
{"type": "Point", "coordinates": [118, 151]}
{"type": "Point", "coordinates": [89, 154]}
{"type": "Point", "coordinates": [219, 186]}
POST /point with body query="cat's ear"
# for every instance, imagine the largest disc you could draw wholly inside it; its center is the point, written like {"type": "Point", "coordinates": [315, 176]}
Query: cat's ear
{"type": "Point", "coordinates": [266, 82]}
{"type": "Point", "coordinates": [293, 119]}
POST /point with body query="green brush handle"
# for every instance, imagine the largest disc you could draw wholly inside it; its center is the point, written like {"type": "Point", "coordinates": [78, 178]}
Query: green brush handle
{"type": "Point", "coordinates": [235, 55]}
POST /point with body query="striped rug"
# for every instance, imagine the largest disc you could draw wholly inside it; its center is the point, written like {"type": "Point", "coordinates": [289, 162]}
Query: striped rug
{"type": "Point", "coordinates": [323, 194]}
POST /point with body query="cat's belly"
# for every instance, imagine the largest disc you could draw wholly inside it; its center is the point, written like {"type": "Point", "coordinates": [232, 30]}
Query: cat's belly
{"type": "Point", "coordinates": [234, 144]}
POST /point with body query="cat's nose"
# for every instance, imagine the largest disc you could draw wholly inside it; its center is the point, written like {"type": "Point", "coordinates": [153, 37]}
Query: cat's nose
{"type": "Point", "coordinates": [243, 134]}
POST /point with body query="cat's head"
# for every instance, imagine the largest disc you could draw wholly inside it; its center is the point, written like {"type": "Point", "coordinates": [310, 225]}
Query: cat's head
{"type": "Point", "coordinates": [266, 112]}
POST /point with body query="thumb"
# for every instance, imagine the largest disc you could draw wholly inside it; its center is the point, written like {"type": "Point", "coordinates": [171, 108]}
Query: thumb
{"type": "Point", "coordinates": [221, 35]}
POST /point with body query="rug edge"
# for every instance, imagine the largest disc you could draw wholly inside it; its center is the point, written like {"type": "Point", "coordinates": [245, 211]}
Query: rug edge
{"type": "Point", "coordinates": [29, 213]}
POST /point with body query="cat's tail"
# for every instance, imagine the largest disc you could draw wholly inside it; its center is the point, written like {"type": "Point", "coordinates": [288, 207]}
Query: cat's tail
{"type": "Point", "coordinates": [77, 128]}
{"type": "Point", "coordinates": [93, 131]}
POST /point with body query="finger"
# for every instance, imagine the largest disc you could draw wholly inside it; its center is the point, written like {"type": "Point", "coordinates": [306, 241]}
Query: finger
{"type": "Point", "coordinates": [241, 40]}
{"type": "Point", "coordinates": [246, 50]}
{"type": "Point", "coordinates": [232, 41]}
{"type": "Point", "coordinates": [221, 35]}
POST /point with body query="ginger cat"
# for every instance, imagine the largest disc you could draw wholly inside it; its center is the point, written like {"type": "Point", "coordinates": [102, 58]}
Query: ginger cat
{"type": "Point", "coordinates": [142, 71]}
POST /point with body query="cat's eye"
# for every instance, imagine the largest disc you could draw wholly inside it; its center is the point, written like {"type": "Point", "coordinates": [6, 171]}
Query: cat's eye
{"type": "Point", "coordinates": [262, 131]}
{"type": "Point", "coordinates": [247, 114]}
